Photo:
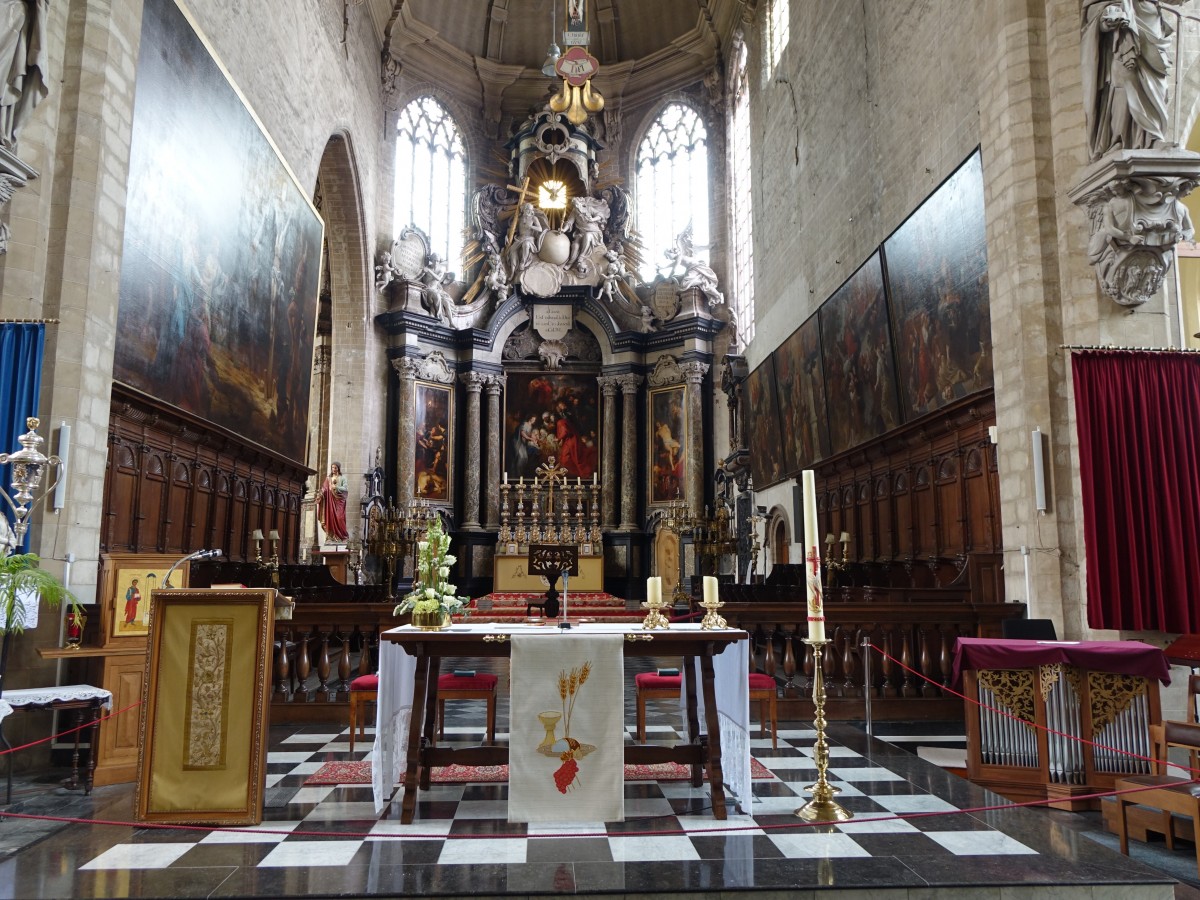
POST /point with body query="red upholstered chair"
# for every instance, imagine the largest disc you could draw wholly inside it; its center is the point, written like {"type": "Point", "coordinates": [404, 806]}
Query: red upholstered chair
{"type": "Point", "coordinates": [467, 687]}
{"type": "Point", "coordinates": [652, 686]}
{"type": "Point", "coordinates": [762, 689]}
{"type": "Point", "coordinates": [363, 689]}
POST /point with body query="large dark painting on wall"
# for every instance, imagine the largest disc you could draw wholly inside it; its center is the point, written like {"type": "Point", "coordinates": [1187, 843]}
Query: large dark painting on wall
{"type": "Point", "coordinates": [222, 250]}
{"type": "Point", "coordinates": [762, 413]}
{"type": "Point", "coordinates": [434, 431]}
{"type": "Point", "coordinates": [860, 380]}
{"type": "Point", "coordinates": [938, 283]}
{"type": "Point", "coordinates": [801, 389]}
{"type": "Point", "coordinates": [551, 414]}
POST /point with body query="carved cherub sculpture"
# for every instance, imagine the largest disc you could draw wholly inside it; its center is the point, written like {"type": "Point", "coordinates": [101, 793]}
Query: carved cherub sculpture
{"type": "Point", "coordinates": [496, 279]}
{"type": "Point", "coordinates": [614, 273]}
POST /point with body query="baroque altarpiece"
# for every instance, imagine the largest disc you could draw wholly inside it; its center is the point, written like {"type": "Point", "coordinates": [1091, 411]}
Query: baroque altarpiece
{"type": "Point", "coordinates": [558, 398]}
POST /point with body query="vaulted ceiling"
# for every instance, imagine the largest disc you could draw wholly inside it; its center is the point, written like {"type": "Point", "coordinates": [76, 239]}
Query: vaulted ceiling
{"type": "Point", "coordinates": [493, 49]}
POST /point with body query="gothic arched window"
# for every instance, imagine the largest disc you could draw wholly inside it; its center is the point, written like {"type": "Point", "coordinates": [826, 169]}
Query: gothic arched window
{"type": "Point", "coordinates": [431, 177]}
{"type": "Point", "coordinates": [672, 185]}
{"type": "Point", "coordinates": [741, 200]}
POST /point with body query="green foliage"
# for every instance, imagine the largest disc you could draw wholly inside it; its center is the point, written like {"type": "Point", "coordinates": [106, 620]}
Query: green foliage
{"type": "Point", "coordinates": [431, 590]}
{"type": "Point", "coordinates": [21, 574]}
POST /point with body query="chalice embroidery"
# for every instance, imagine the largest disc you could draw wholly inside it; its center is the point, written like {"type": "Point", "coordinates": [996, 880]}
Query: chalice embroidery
{"type": "Point", "coordinates": [567, 749]}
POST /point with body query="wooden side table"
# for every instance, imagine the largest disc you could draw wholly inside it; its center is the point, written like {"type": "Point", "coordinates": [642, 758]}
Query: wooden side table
{"type": "Point", "coordinates": [79, 697]}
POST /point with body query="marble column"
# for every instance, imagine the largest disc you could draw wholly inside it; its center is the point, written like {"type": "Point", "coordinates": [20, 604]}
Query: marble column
{"type": "Point", "coordinates": [474, 382]}
{"type": "Point", "coordinates": [495, 384]}
{"type": "Point", "coordinates": [406, 433]}
{"type": "Point", "coordinates": [693, 373]}
{"type": "Point", "coordinates": [608, 466]}
{"type": "Point", "coordinates": [629, 448]}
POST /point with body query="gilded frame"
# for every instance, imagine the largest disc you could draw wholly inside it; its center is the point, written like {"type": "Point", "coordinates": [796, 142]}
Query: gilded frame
{"type": "Point", "coordinates": [118, 571]}
{"type": "Point", "coordinates": [203, 755]}
{"type": "Point", "coordinates": [667, 446]}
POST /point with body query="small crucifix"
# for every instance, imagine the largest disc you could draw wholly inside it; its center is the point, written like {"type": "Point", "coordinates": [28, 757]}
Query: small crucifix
{"type": "Point", "coordinates": [814, 558]}
{"type": "Point", "coordinates": [551, 472]}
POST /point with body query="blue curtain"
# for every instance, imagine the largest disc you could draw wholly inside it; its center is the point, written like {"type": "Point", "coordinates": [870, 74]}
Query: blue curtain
{"type": "Point", "coordinates": [21, 350]}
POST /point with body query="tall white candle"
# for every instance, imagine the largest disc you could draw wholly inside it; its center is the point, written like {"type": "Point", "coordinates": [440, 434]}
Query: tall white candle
{"type": "Point", "coordinates": [812, 559]}
{"type": "Point", "coordinates": [506, 476]}
{"type": "Point", "coordinates": [710, 589]}
{"type": "Point", "coordinates": [654, 589]}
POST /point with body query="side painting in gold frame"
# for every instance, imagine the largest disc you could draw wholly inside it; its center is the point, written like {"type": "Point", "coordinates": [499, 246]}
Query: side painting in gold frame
{"type": "Point", "coordinates": [202, 759]}
{"type": "Point", "coordinates": [126, 583]}
{"type": "Point", "coordinates": [668, 445]}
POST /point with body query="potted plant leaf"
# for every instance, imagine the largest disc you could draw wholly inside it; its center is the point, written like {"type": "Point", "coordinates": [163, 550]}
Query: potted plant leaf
{"type": "Point", "coordinates": [433, 599]}
{"type": "Point", "coordinates": [23, 581]}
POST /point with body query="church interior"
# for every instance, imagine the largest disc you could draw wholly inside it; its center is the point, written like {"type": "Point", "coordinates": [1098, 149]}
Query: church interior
{"type": "Point", "coordinates": [825, 371]}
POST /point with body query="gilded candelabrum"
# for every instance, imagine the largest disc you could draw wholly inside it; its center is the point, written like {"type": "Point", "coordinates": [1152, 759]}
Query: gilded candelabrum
{"type": "Point", "coordinates": [822, 807]}
{"type": "Point", "coordinates": [395, 532]}
{"type": "Point", "coordinates": [678, 519]}
{"type": "Point", "coordinates": [655, 617]}
{"type": "Point", "coordinates": [712, 620]}
{"type": "Point", "coordinates": [713, 538]}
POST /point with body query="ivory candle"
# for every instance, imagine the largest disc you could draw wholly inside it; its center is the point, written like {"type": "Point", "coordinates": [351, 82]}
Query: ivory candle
{"type": "Point", "coordinates": [710, 589]}
{"type": "Point", "coordinates": [506, 476]}
{"type": "Point", "coordinates": [812, 559]}
{"type": "Point", "coordinates": [654, 589]}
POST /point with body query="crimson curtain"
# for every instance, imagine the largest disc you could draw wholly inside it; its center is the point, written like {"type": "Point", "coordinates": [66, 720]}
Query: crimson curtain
{"type": "Point", "coordinates": [1138, 417]}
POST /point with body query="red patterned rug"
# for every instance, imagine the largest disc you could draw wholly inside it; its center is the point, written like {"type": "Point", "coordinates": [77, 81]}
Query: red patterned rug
{"type": "Point", "coordinates": [359, 772]}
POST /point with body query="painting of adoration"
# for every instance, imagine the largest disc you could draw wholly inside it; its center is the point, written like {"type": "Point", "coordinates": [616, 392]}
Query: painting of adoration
{"type": "Point", "coordinates": [801, 388]}
{"type": "Point", "coordinates": [668, 445]}
{"type": "Point", "coordinates": [551, 415]}
{"type": "Point", "coordinates": [222, 250]}
{"type": "Point", "coordinates": [860, 379]}
{"type": "Point", "coordinates": [431, 468]}
{"type": "Point", "coordinates": [762, 412]}
{"type": "Point", "coordinates": [938, 281]}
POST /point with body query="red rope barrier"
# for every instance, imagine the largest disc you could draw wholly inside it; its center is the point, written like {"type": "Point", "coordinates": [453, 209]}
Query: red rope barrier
{"type": "Point", "coordinates": [70, 730]}
{"type": "Point", "coordinates": [1016, 718]}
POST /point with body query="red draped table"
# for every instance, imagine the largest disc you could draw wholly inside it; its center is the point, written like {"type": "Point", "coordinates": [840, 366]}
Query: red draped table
{"type": "Point", "coordinates": [1058, 719]}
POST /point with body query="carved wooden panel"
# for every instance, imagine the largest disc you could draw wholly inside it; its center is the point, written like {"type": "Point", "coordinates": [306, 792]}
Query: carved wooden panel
{"type": "Point", "coordinates": [175, 484]}
{"type": "Point", "coordinates": [921, 498]}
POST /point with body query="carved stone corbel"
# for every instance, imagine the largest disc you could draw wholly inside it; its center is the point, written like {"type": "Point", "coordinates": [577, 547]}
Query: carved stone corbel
{"type": "Point", "coordinates": [14, 175]}
{"type": "Point", "coordinates": [1134, 202]}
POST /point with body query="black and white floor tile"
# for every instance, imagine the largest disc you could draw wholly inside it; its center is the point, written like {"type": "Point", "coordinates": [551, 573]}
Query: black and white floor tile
{"type": "Point", "coordinates": [909, 831]}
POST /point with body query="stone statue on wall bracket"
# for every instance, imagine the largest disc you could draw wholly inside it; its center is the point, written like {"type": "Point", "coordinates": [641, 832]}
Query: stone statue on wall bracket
{"type": "Point", "coordinates": [1125, 47]}
{"type": "Point", "coordinates": [436, 298]}
{"type": "Point", "coordinates": [24, 59]}
{"type": "Point", "coordinates": [1134, 204]}
{"type": "Point", "coordinates": [693, 272]}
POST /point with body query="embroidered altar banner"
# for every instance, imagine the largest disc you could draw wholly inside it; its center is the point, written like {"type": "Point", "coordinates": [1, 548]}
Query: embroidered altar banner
{"type": "Point", "coordinates": [567, 730]}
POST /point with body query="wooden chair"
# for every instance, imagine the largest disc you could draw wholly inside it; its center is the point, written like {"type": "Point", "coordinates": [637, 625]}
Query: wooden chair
{"type": "Point", "coordinates": [1173, 796]}
{"type": "Point", "coordinates": [763, 689]}
{"type": "Point", "coordinates": [363, 690]}
{"type": "Point", "coordinates": [652, 686]}
{"type": "Point", "coordinates": [467, 687]}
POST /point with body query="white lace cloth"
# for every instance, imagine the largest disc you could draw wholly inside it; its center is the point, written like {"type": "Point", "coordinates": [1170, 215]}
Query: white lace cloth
{"type": "Point", "coordinates": [394, 706]}
{"type": "Point", "coordinates": [47, 696]}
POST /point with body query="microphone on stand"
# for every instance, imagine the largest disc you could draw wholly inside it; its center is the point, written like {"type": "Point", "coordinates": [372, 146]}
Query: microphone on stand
{"type": "Point", "coordinates": [199, 554]}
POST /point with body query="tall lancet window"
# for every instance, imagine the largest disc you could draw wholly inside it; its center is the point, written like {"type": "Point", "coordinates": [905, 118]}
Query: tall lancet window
{"type": "Point", "coordinates": [741, 200]}
{"type": "Point", "coordinates": [672, 185]}
{"type": "Point", "coordinates": [431, 178]}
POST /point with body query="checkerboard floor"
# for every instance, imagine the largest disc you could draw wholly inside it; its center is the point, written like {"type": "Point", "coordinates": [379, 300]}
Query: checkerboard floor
{"type": "Point", "coordinates": [908, 831]}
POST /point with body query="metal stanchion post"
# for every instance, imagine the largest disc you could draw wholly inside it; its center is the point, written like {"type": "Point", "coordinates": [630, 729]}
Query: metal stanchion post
{"type": "Point", "coordinates": [868, 684]}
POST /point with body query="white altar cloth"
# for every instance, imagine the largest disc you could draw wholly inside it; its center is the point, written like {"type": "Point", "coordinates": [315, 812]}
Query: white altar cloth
{"type": "Point", "coordinates": [397, 670]}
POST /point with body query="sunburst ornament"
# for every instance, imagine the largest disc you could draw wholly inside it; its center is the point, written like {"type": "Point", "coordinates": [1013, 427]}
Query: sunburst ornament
{"type": "Point", "coordinates": [552, 194]}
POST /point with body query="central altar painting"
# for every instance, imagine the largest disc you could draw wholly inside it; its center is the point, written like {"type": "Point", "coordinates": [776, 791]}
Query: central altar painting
{"type": "Point", "coordinates": [551, 415]}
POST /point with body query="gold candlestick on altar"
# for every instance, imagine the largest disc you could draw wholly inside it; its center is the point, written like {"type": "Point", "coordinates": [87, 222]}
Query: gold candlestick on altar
{"type": "Point", "coordinates": [712, 619]}
{"type": "Point", "coordinates": [654, 603]}
{"type": "Point", "coordinates": [822, 807]}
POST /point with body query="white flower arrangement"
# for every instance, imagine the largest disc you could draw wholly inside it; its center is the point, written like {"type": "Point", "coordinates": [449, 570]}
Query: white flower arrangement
{"type": "Point", "coordinates": [431, 591]}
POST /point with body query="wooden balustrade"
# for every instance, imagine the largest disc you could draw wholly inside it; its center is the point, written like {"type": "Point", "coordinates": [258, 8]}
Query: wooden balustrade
{"type": "Point", "coordinates": [907, 683]}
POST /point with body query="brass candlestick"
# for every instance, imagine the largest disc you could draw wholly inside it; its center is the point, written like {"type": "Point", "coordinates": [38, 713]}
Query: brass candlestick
{"type": "Point", "coordinates": [712, 619]}
{"type": "Point", "coordinates": [822, 807]}
{"type": "Point", "coordinates": [655, 618]}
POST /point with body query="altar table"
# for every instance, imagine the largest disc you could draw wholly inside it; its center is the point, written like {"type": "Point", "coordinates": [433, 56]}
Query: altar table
{"type": "Point", "coordinates": [1078, 714]}
{"type": "Point", "coordinates": [409, 661]}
